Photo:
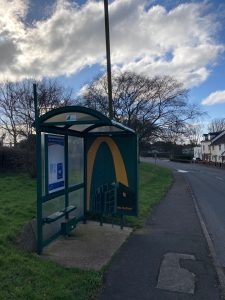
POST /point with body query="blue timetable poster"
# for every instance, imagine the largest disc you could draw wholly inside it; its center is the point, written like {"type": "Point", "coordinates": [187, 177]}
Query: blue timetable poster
{"type": "Point", "coordinates": [56, 164]}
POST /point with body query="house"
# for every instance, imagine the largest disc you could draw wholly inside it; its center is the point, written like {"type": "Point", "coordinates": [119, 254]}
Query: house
{"type": "Point", "coordinates": [213, 146]}
{"type": "Point", "coordinates": [218, 148]}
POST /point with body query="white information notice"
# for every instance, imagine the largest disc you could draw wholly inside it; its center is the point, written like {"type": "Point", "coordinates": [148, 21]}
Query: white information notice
{"type": "Point", "coordinates": [56, 163]}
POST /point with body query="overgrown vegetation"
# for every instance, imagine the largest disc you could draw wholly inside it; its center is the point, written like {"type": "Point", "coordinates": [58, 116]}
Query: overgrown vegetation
{"type": "Point", "coordinates": [26, 276]}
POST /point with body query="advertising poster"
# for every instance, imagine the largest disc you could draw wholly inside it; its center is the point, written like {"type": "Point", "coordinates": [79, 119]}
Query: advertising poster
{"type": "Point", "coordinates": [56, 164]}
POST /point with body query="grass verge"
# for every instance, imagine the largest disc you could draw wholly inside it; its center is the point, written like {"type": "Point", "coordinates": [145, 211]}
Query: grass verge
{"type": "Point", "coordinates": [154, 181]}
{"type": "Point", "coordinates": [24, 275]}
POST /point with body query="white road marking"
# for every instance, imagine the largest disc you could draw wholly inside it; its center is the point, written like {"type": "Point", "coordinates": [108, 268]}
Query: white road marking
{"type": "Point", "coordinates": [182, 171]}
{"type": "Point", "coordinates": [219, 178]}
{"type": "Point", "coordinates": [174, 278]}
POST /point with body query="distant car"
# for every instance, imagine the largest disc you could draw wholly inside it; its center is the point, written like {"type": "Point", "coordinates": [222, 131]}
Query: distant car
{"type": "Point", "coordinates": [196, 159]}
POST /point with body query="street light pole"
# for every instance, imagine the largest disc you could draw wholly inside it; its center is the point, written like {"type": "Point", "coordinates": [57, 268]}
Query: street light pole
{"type": "Point", "coordinates": [107, 38]}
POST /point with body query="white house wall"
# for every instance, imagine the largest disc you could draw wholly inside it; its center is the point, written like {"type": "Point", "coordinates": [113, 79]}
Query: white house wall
{"type": "Point", "coordinates": [216, 152]}
{"type": "Point", "coordinates": [205, 146]}
{"type": "Point", "coordinates": [198, 152]}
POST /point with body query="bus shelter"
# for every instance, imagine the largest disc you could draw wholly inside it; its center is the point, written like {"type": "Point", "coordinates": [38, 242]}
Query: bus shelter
{"type": "Point", "coordinates": [86, 163]}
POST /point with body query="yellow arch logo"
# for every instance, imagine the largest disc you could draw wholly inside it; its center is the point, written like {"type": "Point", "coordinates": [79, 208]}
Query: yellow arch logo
{"type": "Point", "coordinates": [120, 170]}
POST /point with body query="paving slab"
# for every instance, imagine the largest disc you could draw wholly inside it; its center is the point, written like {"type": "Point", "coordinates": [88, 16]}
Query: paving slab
{"type": "Point", "coordinates": [90, 246]}
{"type": "Point", "coordinates": [182, 281]}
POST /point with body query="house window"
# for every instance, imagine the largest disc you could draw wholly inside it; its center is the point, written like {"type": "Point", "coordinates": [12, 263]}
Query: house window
{"type": "Point", "coordinates": [209, 147]}
{"type": "Point", "coordinates": [213, 147]}
{"type": "Point", "coordinates": [219, 147]}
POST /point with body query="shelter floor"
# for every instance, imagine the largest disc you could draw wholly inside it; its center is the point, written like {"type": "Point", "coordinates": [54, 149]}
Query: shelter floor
{"type": "Point", "coordinates": [90, 246]}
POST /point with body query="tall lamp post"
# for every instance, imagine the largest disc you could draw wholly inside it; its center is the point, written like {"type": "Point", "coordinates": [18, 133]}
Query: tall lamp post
{"type": "Point", "coordinates": [107, 38]}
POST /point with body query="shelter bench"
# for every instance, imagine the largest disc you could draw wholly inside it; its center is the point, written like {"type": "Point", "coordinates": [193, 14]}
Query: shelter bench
{"type": "Point", "coordinates": [59, 214]}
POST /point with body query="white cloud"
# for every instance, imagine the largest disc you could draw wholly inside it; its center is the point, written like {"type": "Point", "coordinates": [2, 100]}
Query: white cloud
{"type": "Point", "coordinates": [179, 42]}
{"type": "Point", "coordinates": [214, 98]}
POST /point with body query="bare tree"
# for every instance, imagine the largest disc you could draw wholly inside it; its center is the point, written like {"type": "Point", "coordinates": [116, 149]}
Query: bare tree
{"type": "Point", "coordinates": [50, 95]}
{"type": "Point", "coordinates": [8, 115]}
{"type": "Point", "coordinates": [17, 105]}
{"type": "Point", "coordinates": [151, 106]}
{"type": "Point", "coordinates": [194, 134]}
{"type": "Point", "coordinates": [2, 138]}
{"type": "Point", "coordinates": [216, 125]}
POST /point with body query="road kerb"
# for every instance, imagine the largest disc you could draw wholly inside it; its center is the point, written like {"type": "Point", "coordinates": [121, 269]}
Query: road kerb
{"type": "Point", "coordinates": [218, 267]}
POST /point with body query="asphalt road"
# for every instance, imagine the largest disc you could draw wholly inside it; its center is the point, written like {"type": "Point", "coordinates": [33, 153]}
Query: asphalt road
{"type": "Point", "coordinates": [208, 187]}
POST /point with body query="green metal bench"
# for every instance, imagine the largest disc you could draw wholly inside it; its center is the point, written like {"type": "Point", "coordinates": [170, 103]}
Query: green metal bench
{"type": "Point", "coordinates": [59, 214]}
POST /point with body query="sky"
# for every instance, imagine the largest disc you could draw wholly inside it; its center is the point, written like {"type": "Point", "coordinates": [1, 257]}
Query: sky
{"type": "Point", "coordinates": [65, 39]}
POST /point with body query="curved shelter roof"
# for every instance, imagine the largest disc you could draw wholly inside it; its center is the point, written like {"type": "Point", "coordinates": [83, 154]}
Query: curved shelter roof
{"type": "Point", "coordinates": [81, 121]}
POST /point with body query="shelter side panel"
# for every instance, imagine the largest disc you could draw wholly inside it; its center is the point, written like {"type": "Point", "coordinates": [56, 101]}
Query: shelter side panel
{"type": "Point", "coordinates": [112, 174]}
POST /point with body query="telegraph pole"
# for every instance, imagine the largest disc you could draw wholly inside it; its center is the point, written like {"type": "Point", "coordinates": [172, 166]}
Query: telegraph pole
{"type": "Point", "coordinates": [107, 38]}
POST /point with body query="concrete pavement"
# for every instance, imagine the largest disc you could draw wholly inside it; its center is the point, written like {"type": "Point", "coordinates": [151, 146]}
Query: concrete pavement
{"type": "Point", "coordinates": [89, 246]}
{"type": "Point", "coordinates": [168, 258]}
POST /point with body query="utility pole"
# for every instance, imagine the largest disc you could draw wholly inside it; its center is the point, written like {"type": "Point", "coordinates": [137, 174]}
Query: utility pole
{"type": "Point", "coordinates": [107, 38]}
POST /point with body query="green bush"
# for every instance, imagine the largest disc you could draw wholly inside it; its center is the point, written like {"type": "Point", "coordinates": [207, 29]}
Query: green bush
{"type": "Point", "coordinates": [181, 160]}
{"type": "Point", "coordinates": [183, 157]}
{"type": "Point", "coordinates": [17, 160]}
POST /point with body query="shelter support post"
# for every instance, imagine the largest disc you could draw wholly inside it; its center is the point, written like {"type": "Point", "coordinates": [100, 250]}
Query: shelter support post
{"type": "Point", "coordinates": [39, 172]}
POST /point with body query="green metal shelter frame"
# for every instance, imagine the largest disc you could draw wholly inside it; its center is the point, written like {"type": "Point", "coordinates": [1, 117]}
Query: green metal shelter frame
{"type": "Point", "coordinates": [89, 127]}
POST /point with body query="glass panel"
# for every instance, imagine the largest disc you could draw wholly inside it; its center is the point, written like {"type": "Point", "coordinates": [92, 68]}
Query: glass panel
{"type": "Point", "coordinates": [50, 229]}
{"type": "Point", "coordinates": [76, 198]}
{"type": "Point", "coordinates": [80, 127]}
{"type": "Point", "coordinates": [48, 208]}
{"type": "Point", "coordinates": [75, 160]}
{"type": "Point", "coordinates": [73, 116]}
{"type": "Point", "coordinates": [106, 129]}
{"type": "Point", "coordinates": [54, 205]}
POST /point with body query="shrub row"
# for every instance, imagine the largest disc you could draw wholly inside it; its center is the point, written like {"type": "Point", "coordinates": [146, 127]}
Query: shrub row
{"type": "Point", "coordinates": [17, 160]}
{"type": "Point", "coordinates": [183, 157]}
{"type": "Point", "coordinates": [181, 160]}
